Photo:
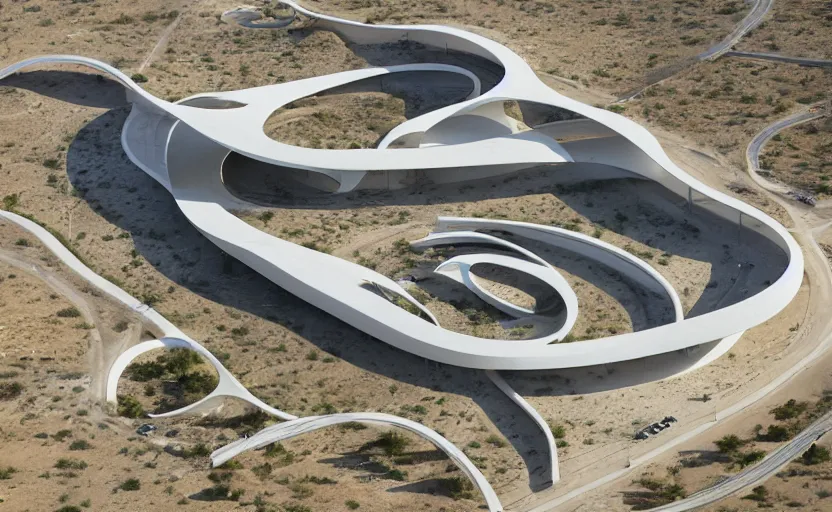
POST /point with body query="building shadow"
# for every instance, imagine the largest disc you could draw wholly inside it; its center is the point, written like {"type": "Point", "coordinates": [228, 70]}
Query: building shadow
{"type": "Point", "coordinates": [86, 89]}
{"type": "Point", "coordinates": [129, 199]}
{"type": "Point", "coordinates": [133, 202]}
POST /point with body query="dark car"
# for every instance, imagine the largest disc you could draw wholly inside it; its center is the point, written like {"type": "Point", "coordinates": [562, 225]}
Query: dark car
{"type": "Point", "coordinates": [145, 429]}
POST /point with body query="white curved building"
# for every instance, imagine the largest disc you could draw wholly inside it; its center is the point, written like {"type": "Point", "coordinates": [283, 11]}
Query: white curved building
{"type": "Point", "coordinates": [184, 146]}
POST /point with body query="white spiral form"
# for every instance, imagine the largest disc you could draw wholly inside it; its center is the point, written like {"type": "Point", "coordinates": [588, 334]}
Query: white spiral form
{"type": "Point", "coordinates": [183, 146]}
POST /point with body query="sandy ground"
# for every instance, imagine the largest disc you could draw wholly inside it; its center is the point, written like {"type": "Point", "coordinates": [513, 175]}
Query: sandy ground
{"type": "Point", "coordinates": [808, 386]}
{"type": "Point", "coordinates": [66, 165]}
{"type": "Point", "coordinates": [794, 27]}
{"type": "Point", "coordinates": [802, 157]}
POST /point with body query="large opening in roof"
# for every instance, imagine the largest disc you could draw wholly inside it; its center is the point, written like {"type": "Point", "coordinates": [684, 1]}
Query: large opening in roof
{"type": "Point", "coordinates": [164, 380]}
{"type": "Point", "coordinates": [358, 115]}
{"type": "Point", "coordinates": [211, 103]}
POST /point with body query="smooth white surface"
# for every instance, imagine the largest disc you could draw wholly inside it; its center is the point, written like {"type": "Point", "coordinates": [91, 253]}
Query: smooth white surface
{"type": "Point", "coordinates": [227, 387]}
{"type": "Point", "coordinates": [195, 153]}
{"type": "Point", "coordinates": [498, 381]}
{"type": "Point", "coordinates": [462, 275]}
{"type": "Point", "coordinates": [584, 245]}
{"type": "Point", "coordinates": [300, 426]}
{"type": "Point", "coordinates": [183, 147]}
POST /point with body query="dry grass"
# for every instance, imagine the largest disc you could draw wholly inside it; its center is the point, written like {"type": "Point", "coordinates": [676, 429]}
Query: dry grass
{"type": "Point", "coordinates": [802, 157]}
{"type": "Point", "coordinates": [66, 164]}
{"type": "Point", "coordinates": [725, 103]}
{"type": "Point", "coordinates": [798, 28]}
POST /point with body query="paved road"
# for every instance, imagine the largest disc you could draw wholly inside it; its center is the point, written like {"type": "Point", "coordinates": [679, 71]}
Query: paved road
{"type": "Point", "coordinates": [750, 22]}
{"type": "Point", "coordinates": [160, 44]}
{"type": "Point", "coordinates": [752, 154]}
{"type": "Point", "coordinates": [802, 61]}
{"type": "Point", "coordinates": [755, 474]}
{"type": "Point", "coordinates": [816, 259]}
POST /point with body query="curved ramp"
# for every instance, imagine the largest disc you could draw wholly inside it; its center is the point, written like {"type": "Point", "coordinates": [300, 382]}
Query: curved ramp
{"type": "Point", "coordinates": [308, 424]}
{"type": "Point", "coordinates": [462, 274]}
{"type": "Point", "coordinates": [307, 274]}
{"type": "Point", "coordinates": [227, 387]}
{"type": "Point", "coordinates": [589, 247]}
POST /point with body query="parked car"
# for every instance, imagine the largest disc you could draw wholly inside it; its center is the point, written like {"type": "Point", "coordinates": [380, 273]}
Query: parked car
{"type": "Point", "coordinates": [145, 429]}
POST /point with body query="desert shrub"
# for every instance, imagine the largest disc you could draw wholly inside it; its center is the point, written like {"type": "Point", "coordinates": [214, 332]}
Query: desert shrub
{"type": "Point", "coordinates": [456, 487]}
{"type": "Point", "coordinates": [80, 444]}
{"type": "Point", "coordinates": [775, 434]}
{"type": "Point", "coordinates": [180, 361]}
{"type": "Point", "coordinates": [262, 471]}
{"type": "Point", "coordinates": [752, 457]}
{"type": "Point", "coordinates": [495, 440]}
{"type": "Point", "coordinates": [729, 444]}
{"type": "Point", "coordinates": [392, 443]}
{"type": "Point", "coordinates": [758, 494]}
{"type": "Point", "coordinates": [278, 451]}
{"type": "Point", "coordinates": [68, 463]}
{"type": "Point", "coordinates": [789, 410]}
{"type": "Point", "coordinates": [61, 435]}
{"type": "Point", "coordinates": [69, 508]}
{"type": "Point", "coordinates": [198, 382]}
{"type": "Point", "coordinates": [70, 312]}
{"type": "Point", "coordinates": [129, 407]}
{"type": "Point", "coordinates": [143, 372]}
{"type": "Point", "coordinates": [816, 455]}
{"type": "Point", "coordinates": [198, 450]}
{"type": "Point", "coordinates": [131, 484]}
{"type": "Point", "coordinates": [7, 472]}
{"type": "Point", "coordinates": [10, 390]}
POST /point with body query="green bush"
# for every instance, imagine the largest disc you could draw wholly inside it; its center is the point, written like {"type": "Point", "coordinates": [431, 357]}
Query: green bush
{"type": "Point", "coordinates": [129, 407]}
{"type": "Point", "coordinates": [775, 434]}
{"type": "Point", "coordinates": [457, 487]}
{"type": "Point", "coordinates": [70, 312]}
{"type": "Point", "coordinates": [10, 390]}
{"type": "Point", "coordinates": [729, 444]}
{"type": "Point", "coordinates": [816, 455]}
{"type": "Point", "coordinates": [789, 410]}
{"type": "Point", "coordinates": [80, 444]}
{"type": "Point", "coordinates": [132, 484]}
{"type": "Point", "coordinates": [558, 431]}
{"type": "Point", "coordinates": [179, 361]}
{"type": "Point", "coordinates": [393, 443]}
{"type": "Point", "coordinates": [752, 457]}
{"type": "Point", "coordinates": [74, 464]}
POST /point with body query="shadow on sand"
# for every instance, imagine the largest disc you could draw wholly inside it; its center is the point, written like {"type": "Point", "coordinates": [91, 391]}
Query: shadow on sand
{"type": "Point", "coordinates": [132, 201]}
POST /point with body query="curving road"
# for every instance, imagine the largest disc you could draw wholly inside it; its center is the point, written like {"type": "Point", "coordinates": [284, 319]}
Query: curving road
{"type": "Point", "coordinates": [295, 426]}
{"type": "Point", "coordinates": [300, 426]}
{"type": "Point", "coordinates": [752, 153]}
{"type": "Point", "coordinates": [757, 473]}
{"type": "Point", "coordinates": [816, 260]}
{"type": "Point", "coordinates": [801, 61]}
{"type": "Point", "coordinates": [750, 22]}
